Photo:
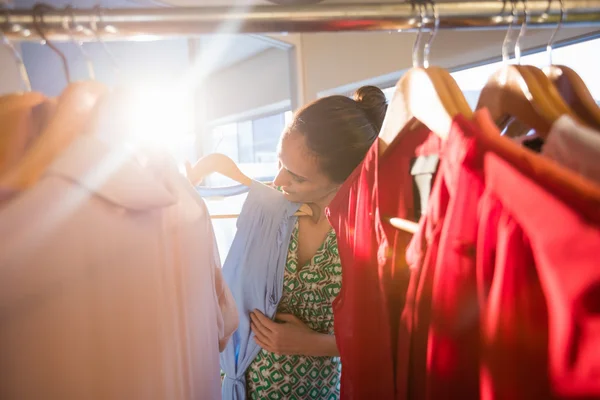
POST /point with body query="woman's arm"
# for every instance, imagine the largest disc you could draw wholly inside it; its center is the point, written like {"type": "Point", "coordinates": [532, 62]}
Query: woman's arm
{"type": "Point", "coordinates": [291, 336]}
{"type": "Point", "coordinates": [325, 345]}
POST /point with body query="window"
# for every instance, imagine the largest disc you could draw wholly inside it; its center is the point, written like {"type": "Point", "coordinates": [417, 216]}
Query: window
{"type": "Point", "coordinates": [583, 57]}
{"type": "Point", "coordinates": [252, 144]}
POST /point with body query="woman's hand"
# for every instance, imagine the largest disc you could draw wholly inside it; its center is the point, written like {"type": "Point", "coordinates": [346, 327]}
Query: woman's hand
{"type": "Point", "coordinates": [291, 337]}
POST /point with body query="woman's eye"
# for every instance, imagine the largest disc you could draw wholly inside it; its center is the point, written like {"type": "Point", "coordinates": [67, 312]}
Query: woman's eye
{"type": "Point", "coordinates": [298, 179]}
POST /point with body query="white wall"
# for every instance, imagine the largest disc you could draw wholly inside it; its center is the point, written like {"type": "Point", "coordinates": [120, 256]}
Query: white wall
{"type": "Point", "coordinates": [257, 82]}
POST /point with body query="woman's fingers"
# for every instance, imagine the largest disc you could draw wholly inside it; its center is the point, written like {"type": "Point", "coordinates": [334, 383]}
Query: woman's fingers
{"type": "Point", "coordinates": [264, 320]}
{"type": "Point", "coordinates": [260, 334]}
{"type": "Point", "coordinates": [258, 326]}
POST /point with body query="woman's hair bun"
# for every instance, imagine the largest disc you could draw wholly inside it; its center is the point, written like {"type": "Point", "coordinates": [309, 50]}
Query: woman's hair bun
{"type": "Point", "coordinates": [373, 102]}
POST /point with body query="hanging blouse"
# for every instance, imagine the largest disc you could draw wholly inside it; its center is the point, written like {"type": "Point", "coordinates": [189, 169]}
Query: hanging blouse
{"type": "Point", "coordinates": [254, 270]}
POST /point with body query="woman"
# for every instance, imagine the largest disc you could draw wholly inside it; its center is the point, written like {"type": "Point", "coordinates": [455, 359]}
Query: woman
{"type": "Point", "coordinates": [325, 142]}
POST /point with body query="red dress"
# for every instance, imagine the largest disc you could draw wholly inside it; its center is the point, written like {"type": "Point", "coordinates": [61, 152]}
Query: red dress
{"type": "Point", "coordinates": [477, 273]}
{"type": "Point", "coordinates": [542, 321]}
{"type": "Point", "coordinates": [374, 271]}
{"type": "Point", "coordinates": [442, 304]}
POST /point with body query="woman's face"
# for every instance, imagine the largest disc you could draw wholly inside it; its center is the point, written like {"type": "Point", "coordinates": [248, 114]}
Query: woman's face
{"type": "Point", "coordinates": [300, 176]}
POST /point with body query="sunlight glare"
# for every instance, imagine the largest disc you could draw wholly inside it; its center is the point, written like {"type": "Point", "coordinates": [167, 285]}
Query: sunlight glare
{"type": "Point", "coordinates": [161, 116]}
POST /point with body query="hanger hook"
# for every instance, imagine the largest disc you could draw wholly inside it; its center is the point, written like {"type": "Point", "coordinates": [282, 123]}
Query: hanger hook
{"type": "Point", "coordinates": [38, 22]}
{"type": "Point", "coordinates": [97, 18]}
{"type": "Point", "coordinates": [432, 33]}
{"type": "Point", "coordinates": [17, 56]}
{"type": "Point", "coordinates": [555, 31]}
{"type": "Point", "coordinates": [417, 44]}
{"type": "Point", "coordinates": [507, 38]}
{"type": "Point", "coordinates": [521, 32]}
{"type": "Point", "coordinates": [70, 25]}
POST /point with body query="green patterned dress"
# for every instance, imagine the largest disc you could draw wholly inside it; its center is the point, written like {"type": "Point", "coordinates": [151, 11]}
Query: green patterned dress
{"type": "Point", "coordinates": [308, 295]}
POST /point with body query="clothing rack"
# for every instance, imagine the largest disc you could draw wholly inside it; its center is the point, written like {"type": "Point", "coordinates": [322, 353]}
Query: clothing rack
{"type": "Point", "coordinates": [129, 23]}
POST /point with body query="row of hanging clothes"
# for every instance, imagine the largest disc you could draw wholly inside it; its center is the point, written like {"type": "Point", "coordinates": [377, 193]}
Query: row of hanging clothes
{"type": "Point", "coordinates": [476, 273]}
{"type": "Point", "coordinates": [473, 276]}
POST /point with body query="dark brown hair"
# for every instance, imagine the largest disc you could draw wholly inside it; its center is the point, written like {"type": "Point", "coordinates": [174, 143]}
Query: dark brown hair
{"type": "Point", "coordinates": [339, 130]}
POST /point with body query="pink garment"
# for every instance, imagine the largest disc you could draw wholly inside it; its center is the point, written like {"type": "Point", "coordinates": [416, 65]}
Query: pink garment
{"type": "Point", "coordinates": [574, 146]}
{"type": "Point", "coordinates": [109, 285]}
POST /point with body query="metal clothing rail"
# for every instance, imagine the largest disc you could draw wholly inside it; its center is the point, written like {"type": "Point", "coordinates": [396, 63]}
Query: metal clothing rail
{"type": "Point", "coordinates": [120, 24]}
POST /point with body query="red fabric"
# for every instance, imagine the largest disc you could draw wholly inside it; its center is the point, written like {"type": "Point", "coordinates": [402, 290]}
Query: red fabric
{"type": "Point", "coordinates": [453, 356]}
{"type": "Point", "coordinates": [546, 257]}
{"type": "Point", "coordinates": [421, 256]}
{"type": "Point", "coordinates": [514, 327]}
{"type": "Point", "coordinates": [576, 191]}
{"type": "Point", "coordinates": [374, 272]}
{"type": "Point", "coordinates": [442, 304]}
{"type": "Point", "coordinates": [465, 307]}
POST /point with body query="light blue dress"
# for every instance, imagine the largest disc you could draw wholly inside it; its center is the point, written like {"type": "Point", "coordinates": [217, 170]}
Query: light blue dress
{"type": "Point", "coordinates": [254, 270]}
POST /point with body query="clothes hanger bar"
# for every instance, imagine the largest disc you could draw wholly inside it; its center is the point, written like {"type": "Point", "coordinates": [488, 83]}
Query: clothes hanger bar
{"type": "Point", "coordinates": [161, 22]}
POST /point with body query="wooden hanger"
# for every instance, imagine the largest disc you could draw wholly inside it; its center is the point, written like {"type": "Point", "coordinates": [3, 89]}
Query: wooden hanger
{"type": "Point", "coordinates": [405, 225]}
{"type": "Point", "coordinates": [441, 76]}
{"type": "Point", "coordinates": [448, 102]}
{"type": "Point", "coordinates": [522, 92]}
{"type": "Point", "coordinates": [454, 91]}
{"type": "Point", "coordinates": [513, 91]}
{"type": "Point", "coordinates": [73, 109]}
{"type": "Point", "coordinates": [18, 126]}
{"type": "Point", "coordinates": [70, 116]}
{"type": "Point", "coordinates": [423, 96]}
{"type": "Point", "coordinates": [221, 164]}
{"type": "Point", "coordinates": [19, 99]}
{"type": "Point", "coordinates": [18, 122]}
{"type": "Point", "coordinates": [420, 98]}
{"type": "Point", "coordinates": [569, 84]}
{"type": "Point", "coordinates": [552, 93]}
{"type": "Point", "coordinates": [216, 163]}
{"type": "Point", "coordinates": [575, 93]}
{"type": "Point", "coordinates": [427, 96]}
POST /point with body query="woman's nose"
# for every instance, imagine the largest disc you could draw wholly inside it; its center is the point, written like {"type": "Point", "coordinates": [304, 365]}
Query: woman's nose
{"type": "Point", "coordinates": [281, 179]}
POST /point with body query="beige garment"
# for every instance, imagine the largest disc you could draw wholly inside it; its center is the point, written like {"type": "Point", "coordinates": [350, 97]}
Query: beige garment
{"type": "Point", "coordinates": [574, 146]}
{"type": "Point", "coordinates": [108, 286]}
